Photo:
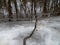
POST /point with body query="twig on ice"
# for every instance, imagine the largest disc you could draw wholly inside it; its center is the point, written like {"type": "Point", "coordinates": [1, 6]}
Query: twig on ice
{"type": "Point", "coordinates": [24, 40]}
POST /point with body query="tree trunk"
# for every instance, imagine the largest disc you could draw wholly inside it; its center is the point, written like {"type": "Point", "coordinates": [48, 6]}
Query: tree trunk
{"type": "Point", "coordinates": [24, 3]}
{"type": "Point", "coordinates": [4, 1]}
{"type": "Point", "coordinates": [32, 9]}
{"type": "Point", "coordinates": [16, 9]}
{"type": "Point", "coordinates": [0, 4]}
{"type": "Point", "coordinates": [9, 10]}
{"type": "Point", "coordinates": [44, 8]}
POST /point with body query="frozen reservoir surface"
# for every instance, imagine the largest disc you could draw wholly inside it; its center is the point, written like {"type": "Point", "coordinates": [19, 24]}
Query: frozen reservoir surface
{"type": "Point", "coordinates": [47, 33]}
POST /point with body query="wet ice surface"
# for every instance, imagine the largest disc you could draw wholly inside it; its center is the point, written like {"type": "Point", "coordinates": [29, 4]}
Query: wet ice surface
{"type": "Point", "coordinates": [47, 33]}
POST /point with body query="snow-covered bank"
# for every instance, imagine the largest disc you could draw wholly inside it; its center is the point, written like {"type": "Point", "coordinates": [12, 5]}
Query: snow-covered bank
{"type": "Point", "coordinates": [47, 32]}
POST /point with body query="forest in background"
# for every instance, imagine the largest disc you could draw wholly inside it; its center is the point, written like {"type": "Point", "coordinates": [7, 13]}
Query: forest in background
{"type": "Point", "coordinates": [27, 9]}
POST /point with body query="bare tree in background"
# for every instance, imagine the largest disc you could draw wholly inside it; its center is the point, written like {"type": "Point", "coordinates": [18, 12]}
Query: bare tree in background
{"type": "Point", "coordinates": [0, 4]}
{"type": "Point", "coordinates": [4, 1]}
{"type": "Point", "coordinates": [10, 10]}
{"type": "Point", "coordinates": [53, 7]}
{"type": "Point", "coordinates": [44, 8]}
{"type": "Point", "coordinates": [15, 2]}
{"type": "Point", "coordinates": [32, 8]}
{"type": "Point", "coordinates": [3, 4]}
{"type": "Point", "coordinates": [24, 3]}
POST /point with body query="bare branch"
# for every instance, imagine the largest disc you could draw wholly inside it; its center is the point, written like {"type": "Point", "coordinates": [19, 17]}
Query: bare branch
{"type": "Point", "coordinates": [24, 40]}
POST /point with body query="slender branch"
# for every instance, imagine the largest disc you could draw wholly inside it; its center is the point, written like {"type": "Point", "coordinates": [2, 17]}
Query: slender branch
{"type": "Point", "coordinates": [24, 40]}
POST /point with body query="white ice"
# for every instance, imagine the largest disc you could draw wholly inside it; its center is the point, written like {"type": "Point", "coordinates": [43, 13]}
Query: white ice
{"type": "Point", "coordinates": [47, 33]}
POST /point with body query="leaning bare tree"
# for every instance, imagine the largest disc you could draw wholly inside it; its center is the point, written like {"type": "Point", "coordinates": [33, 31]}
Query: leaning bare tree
{"type": "Point", "coordinates": [25, 39]}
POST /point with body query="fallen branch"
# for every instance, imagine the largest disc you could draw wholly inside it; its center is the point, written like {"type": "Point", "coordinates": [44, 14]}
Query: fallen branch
{"type": "Point", "coordinates": [24, 40]}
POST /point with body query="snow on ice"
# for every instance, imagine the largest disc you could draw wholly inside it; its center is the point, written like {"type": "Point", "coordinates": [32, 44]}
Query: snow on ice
{"type": "Point", "coordinates": [48, 32]}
